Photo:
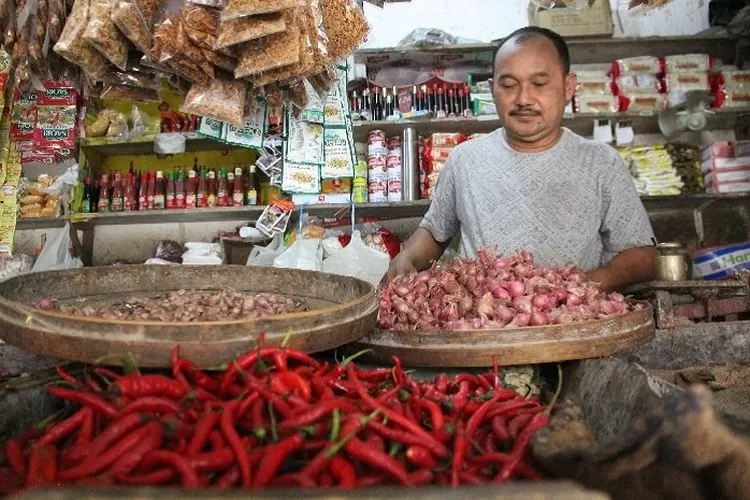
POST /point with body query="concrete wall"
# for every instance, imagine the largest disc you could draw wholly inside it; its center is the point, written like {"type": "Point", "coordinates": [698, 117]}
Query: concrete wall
{"type": "Point", "coordinates": [487, 20]}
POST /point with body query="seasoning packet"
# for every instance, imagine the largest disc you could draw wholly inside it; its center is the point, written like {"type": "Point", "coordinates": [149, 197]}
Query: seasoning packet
{"type": "Point", "coordinates": [275, 217]}
{"type": "Point", "coordinates": [314, 110]}
{"type": "Point", "coordinates": [55, 127]}
{"type": "Point", "coordinates": [304, 142]}
{"type": "Point", "coordinates": [250, 134]}
{"type": "Point", "coordinates": [302, 178]}
{"type": "Point", "coordinates": [211, 128]}
{"type": "Point", "coordinates": [23, 116]}
{"type": "Point", "coordinates": [338, 154]}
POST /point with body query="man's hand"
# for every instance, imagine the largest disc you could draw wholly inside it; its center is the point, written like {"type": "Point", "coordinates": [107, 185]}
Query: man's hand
{"type": "Point", "coordinates": [629, 267]}
{"type": "Point", "coordinates": [399, 265]}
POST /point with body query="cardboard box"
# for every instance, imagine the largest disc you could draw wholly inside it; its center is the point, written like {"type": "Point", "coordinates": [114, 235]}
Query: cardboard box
{"type": "Point", "coordinates": [595, 20]}
{"type": "Point", "coordinates": [730, 175]}
{"type": "Point", "coordinates": [716, 163]}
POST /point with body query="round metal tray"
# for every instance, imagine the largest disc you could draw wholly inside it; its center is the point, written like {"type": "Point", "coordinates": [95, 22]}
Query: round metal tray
{"type": "Point", "coordinates": [342, 310]}
{"type": "Point", "coordinates": [517, 346]}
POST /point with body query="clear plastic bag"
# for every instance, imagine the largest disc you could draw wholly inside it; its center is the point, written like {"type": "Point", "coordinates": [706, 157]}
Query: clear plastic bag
{"type": "Point", "coordinates": [305, 254]}
{"type": "Point", "coordinates": [55, 254]}
{"type": "Point", "coordinates": [270, 52]}
{"type": "Point", "coordinates": [264, 256]}
{"type": "Point", "coordinates": [359, 261]}
{"type": "Point", "coordinates": [169, 250]}
{"type": "Point", "coordinates": [345, 26]}
{"type": "Point", "coordinates": [234, 9]}
{"type": "Point", "coordinates": [139, 122]}
{"type": "Point", "coordinates": [243, 29]}
{"type": "Point", "coordinates": [424, 37]}
{"type": "Point", "coordinates": [102, 34]}
{"type": "Point", "coordinates": [221, 99]}
{"type": "Point", "coordinates": [129, 20]}
{"type": "Point", "coordinates": [75, 49]}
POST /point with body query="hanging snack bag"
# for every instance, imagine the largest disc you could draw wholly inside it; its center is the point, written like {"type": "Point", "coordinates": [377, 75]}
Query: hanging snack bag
{"type": "Point", "coordinates": [270, 52]}
{"type": "Point", "coordinates": [301, 178]}
{"type": "Point", "coordinates": [102, 34]}
{"type": "Point", "coordinates": [243, 29]}
{"type": "Point", "coordinates": [221, 99]}
{"type": "Point", "coordinates": [73, 47]}
{"type": "Point", "coordinates": [250, 134]}
{"type": "Point", "coordinates": [242, 8]}
{"type": "Point", "coordinates": [304, 142]}
{"type": "Point", "coordinates": [345, 25]}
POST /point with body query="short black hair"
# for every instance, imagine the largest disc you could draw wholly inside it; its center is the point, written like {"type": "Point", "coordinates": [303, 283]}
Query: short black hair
{"type": "Point", "coordinates": [529, 32]}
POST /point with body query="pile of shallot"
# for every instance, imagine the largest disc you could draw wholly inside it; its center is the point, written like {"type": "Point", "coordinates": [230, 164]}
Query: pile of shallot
{"type": "Point", "coordinates": [493, 292]}
{"type": "Point", "coordinates": [187, 306]}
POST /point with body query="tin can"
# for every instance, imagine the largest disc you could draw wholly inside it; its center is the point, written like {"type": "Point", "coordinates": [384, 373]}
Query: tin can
{"type": "Point", "coordinates": [377, 191]}
{"type": "Point", "coordinates": [377, 143]}
{"type": "Point", "coordinates": [359, 190]}
{"type": "Point", "coordinates": [394, 166]}
{"type": "Point", "coordinates": [394, 142]}
{"type": "Point", "coordinates": [377, 165]}
{"type": "Point", "coordinates": [395, 190]}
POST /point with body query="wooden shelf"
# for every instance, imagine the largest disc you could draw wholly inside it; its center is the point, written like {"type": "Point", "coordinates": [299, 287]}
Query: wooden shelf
{"type": "Point", "coordinates": [401, 210]}
{"type": "Point", "coordinates": [582, 51]}
{"type": "Point", "coordinates": [580, 123]}
{"type": "Point", "coordinates": [108, 146]}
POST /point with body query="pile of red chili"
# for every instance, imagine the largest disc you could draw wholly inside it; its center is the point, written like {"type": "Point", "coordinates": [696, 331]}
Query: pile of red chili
{"type": "Point", "coordinates": [277, 418]}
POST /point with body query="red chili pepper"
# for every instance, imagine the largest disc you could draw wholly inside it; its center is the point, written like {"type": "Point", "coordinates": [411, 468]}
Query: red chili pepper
{"type": "Point", "coordinates": [154, 478]}
{"type": "Point", "coordinates": [469, 478]}
{"type": "Point", "coordinates": [14, 455]}
{"type": "Point", "coordinates": [509, 407]}
{"type": "Point", "coordinates": [518, 423]}
{"type": "Point", "coordinates": [10, 482]}
{"type": "Point", "coordinates": [131, 458]}
{"type": "Point", "coordinates": [500, 428]}
{"type": "Point", "coordinates": [489, 443]}
{"type": "Point", "coordinates": [463, 437]}
{"type": "Point", "coordinates": [175, 428]}
{"type": "Point", "coordinates": [398, 371]}
{"type": "Point", "coordinates": [216, 438]}
{"type": "Point", "coordinates": [227, 429]}
{"type": "Point", "coordinates": [321, 370]}
{"type": "Point", "coordinates": [441, 383]}
{"type": "Point", "coordinates": [111, 434]}
{"type": "Point", "coordinates": [314, 414]}
{"type": "Point", "coordinates": [245, 404]}
{"type": "Point", "coordinates": [408, 438]}
{"type": "Point", "coordinates": [86, 399]}
{"type": "Point", "coordinates": [278, 403]}
{"type": "Point", "coordinates": [176, 462]}
{"type": "Point", "coordinates": [136, 386]}
{"type": "Point", "coordinates": [65, 375]}
{"type": "Point", "coordinates": [202, 432]}
{"type": "Point", "coordinates": [436, 414]}
{"type": "Point", "coordinates": [257, 417]}
{"type": "Point", "coordinates": [97, 463]}
{"type": "Point", "coordinates": [421, 457]}
{"type": "Point", "coordinates": [371, 480]}
{"type": "Point", "coordinates": [106, 373]}
{"type": "Point", "coordinates": [246, 361]}
{"type": "Point", "coordinates": [42, 466]}
{"type": "Point", "coordinates": [375, 458]}
{"type": "Point", "coordinates": [292, 480]}
{"type": "Point", "coordinates": [177, 368]}
{"type": "Point", "coordinates": [201, 379]}
{"type": "Point", "coordinates": [274, 458]}
{"type": "Point", "coordinates": [376, 376]}
{"type": "Point", "coordinates": [223, 458]}
{"type": "Point", "coordinates": [63, 429]}
{"type": "Point", "coordinates": [230, 478]}
{"type": "Point", "coordinates": [326, 480]}
{"type": "Point", "coordinates": [422, 477]}
{"type": "Point", "coordinates": [150, 405]}
{"type": "Point", "coordinates": [392, 415]}
{"type": "Point", "coordinates": [343, 472]}
{"type": "Point", "coordinates": [376, 441]}
{"type": "Point", "coordinates": [520, 446]}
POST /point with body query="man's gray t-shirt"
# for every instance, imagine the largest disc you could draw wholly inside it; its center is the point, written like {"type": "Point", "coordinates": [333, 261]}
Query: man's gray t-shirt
{"type": "Point", "coordinates": [574, 203]}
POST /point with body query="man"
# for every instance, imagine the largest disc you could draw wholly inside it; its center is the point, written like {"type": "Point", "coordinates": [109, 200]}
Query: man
{"type": "Point", "coordinates": [534, 185]}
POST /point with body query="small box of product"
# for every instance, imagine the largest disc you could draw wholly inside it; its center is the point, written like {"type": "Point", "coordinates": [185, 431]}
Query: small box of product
{"type": "Point", "coordinates": [728, 175]}
{"type": "Point", "coordinates": [714, 163]}
{"type": "Point", "coordinates": [595, 19]}
{"type": "Point", "coordinates": [718, 149]}
{"type": "Point", "coordinates": [319, 199]}
{"type": "Point", "coordinates": [728, 187]}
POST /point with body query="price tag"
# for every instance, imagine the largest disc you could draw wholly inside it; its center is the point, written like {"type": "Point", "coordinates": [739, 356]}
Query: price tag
{"type": "Point", "coordinates": [624, 134]}
{"type": "Point", "coordinates": [603, 131]}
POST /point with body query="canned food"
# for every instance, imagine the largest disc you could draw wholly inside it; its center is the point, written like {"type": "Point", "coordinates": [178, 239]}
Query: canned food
{"type": "Point", "coordinates": [377, 149]}
{"type": "Point", "coordinates": [377, 191]}
{"type": "Point", "coordinates": [394, 166]}
{"type": "Point", "coordinates": [376, 136]}
{"type": "Point", "coordinates": [395, 192]}
{"type": "Point", "coordinates": [377, 164]}
{"type": "Point", "coordinates": [394, 142]}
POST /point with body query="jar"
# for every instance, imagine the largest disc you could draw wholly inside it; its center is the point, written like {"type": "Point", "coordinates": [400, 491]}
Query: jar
{"type": "Point", "coordinates": [673, 263]}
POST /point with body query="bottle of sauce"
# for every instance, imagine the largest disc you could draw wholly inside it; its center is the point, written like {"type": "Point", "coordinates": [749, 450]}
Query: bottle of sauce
{"type": "Point", "coordinates": [86, 202]}
{"type": "Point", "coordinates": [253, 186]}
{"type": "Point", "coordinates": [222, 192]}
{"type": "Point", "coordinates": [238, 192]}
{"type": "Point", "coordinates": [129, 195]}
{"type": "Point", "coordinates": [179, 190]}
{"type": "Point", "coordinates": [211, 188]}
{"type": "Point", "coordinates": [451, 102]}
{"type": "Point", "coordinates": [414, 99]}
{"type": "Point", "coordinates": [230, 188]}
{"type": "Point", "coordinates": [159, 191]}
{"type": "Point", "coordinates": [151, 191]}
{"type": "Point", "coordinates": [468, 107]}
{"type": "Point", "coordinates": [431, 99]}
{"type": "Point", "coordinates": [191, 189]}
{"type": "Point", "coordinates": [202, 195]}
{"type": "Point", "coordinates": [170, 191]}
{"type": "Point", "coordinates": [143, 193]}
{"type": "Point", "coordinates": [117, 193]}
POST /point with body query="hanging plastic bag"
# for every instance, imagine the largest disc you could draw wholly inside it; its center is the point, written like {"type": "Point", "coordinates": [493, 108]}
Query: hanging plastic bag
{"type": "Point", "coordinates": [359, 261]}
{"type": "Point", "coordinates": [264, 256]}
{"type": "Point", "coordinates": [306, 254]}
{"type": "Point", "coordinates": [56, 253]}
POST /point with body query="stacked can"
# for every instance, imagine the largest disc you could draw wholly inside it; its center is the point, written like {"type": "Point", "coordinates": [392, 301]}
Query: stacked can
{"type": "Point", "coordinates": [377, 173]}
{"type": "Point", "coordinates": [359, 183]}
{"type": "Point", "coordinates": [395, 169]}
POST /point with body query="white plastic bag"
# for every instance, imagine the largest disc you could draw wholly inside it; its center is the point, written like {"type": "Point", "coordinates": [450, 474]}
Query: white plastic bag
{"type": "Point", "coordinates": [56, 253]}
{"type": "Point", "coordinates": [359, 261]}
{"type": "Point", "coordinates": [306, 254]}
{"type": "Point", "coordinates": [264, 256]}
{"type": "Point", "coordinates": [64, 183]}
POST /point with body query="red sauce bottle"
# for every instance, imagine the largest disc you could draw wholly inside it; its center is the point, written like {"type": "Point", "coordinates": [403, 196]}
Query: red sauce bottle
{"type": "Point", "coordinates": [191, 191]}
{"type": "Point", "coordinates": [129, 202]}
{"type": "Point", "coordinates": [150, 191]}
{"type": "Point", "coordinates": [103, 204]}
{"type": "Point", "coordinates": [117, 193]}
{"type": "Point", "coordinates": [170, 191]}
{"type": "Point", "coordinates": [143, 193]}
{"type": "Point", "coordinates": [159, 201]}
{"type": "Point", "coordinates": [211, 188]}
{"type": "Point", "coordinates": [202, 196]}
{"type": "Point", "coordinates": [238, 192]}
{"type": "Point", "coordinates": [179, 190]}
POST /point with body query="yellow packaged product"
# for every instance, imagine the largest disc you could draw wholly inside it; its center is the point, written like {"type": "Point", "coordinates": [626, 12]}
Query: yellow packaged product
{"type": "Point", "coordinates": [31, 199]}
{"type": "Point", "coordinates": [7, 226]}
{"type": "Point", "coordinates": [336, 186]}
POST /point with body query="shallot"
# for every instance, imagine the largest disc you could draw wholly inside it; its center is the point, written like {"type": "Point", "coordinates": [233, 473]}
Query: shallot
{"type": "Point", "coordinates": [494, 291]}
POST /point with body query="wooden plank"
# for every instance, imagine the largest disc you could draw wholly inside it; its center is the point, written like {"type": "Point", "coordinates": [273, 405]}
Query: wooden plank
{"type": "Point", "coordinates": [515, 346]}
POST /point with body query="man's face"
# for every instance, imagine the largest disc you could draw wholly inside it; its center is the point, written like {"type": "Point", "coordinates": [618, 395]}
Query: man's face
{"type": "Point", "coordinates": [530, 89]}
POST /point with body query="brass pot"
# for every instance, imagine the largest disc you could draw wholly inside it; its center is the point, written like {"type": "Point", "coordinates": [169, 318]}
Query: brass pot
{"type": "Point", "coordinates": [673, 263]}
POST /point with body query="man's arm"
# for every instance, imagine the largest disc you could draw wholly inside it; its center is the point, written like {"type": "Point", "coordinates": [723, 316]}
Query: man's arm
{"type": "Point", "coordinates": [421, 249]}
{"type": "Point", "coordinates": [632, 266]}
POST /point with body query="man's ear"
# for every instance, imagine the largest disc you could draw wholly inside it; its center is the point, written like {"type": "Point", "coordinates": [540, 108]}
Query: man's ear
{"type": "Point", "coordinates": [571, 85]}
{"type": "Point", "coordinates": [491, 81]}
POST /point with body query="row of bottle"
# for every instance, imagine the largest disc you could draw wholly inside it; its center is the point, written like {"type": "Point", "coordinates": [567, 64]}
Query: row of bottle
{"type": "Point", "coordinates": [195, 188]}
{"type": "Point", "coordinates": [443, 100]}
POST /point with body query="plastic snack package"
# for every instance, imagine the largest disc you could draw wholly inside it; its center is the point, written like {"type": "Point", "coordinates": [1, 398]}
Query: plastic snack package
{"type": "Point", "coordinates": [243, 29]}
{"type": "Point", "coordinates": [222, 99]}
{"type": "Point", "coordinates": [345, 26]}
{"type": "Point", "coordinates": [241, 8]}
{"type": "Point", "coordinates": [595, 104]}
{"type": "Point", "coordinates": [638, 103]}
{"type": "Point", "coordinates": [270, 52]}
{"type": "Point", "coordinates": [102, 34]}
{"type": "Point", "coordinates": [643, 65]}
{"type": "Point", "coordinates": [129, 20]}
{"type": "Point", "coordinates": [73, 47]}
{"type": "Point", "coordinates": [687, 63]}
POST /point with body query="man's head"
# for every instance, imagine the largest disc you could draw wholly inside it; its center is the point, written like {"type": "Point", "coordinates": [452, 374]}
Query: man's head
{"type": "Point", "coordinates": [532, 83]}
